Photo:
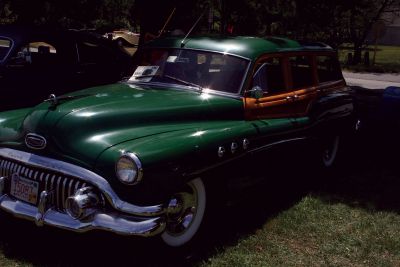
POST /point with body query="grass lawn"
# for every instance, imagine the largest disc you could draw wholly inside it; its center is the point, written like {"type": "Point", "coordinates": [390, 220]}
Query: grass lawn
{"type": "Point", "coordinates": [344, 217]}
{"type": "Point", "coordinates": [387, 59]}
{"type": "Point", "coordinates": [319, 233]}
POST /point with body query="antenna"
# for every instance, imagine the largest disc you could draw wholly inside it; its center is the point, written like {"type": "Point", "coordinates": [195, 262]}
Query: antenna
{"type": "Point", "coordinates": [191, 29]}
{"type": "Point", "coordinates": [166, 22]}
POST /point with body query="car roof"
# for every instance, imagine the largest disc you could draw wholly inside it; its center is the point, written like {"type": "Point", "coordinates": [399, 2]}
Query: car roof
{"type": "Point", "coordinates": [243, 46]}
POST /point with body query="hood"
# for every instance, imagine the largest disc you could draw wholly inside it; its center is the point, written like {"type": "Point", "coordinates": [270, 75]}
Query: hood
{"type": "Point", "coordinates": [95, 119]}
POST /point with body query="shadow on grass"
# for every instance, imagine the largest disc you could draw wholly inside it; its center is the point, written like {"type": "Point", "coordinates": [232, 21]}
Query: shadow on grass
{"type": "Point", "coordinates": [368, 177]}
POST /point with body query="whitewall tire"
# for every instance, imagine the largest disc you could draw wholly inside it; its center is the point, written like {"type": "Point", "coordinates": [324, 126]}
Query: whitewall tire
{"type": "Point", "coordinates": [185, 214]}
{"type": "Point", "coordinates": [330, 151]}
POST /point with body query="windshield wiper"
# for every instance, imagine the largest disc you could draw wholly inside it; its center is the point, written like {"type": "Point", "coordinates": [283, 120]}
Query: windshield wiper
{"type": "Point", "coordinates": [146, 76]}
{"type": "Point", "coordinates": [184, 82]}
{"type": "Point", "coordinates": [174, 79]}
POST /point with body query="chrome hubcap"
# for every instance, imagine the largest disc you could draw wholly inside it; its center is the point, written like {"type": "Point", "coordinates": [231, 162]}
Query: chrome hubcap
{"type": "Point", "coordinates": [329, 153]}
{"type": "Point", "coordinates": [182, 210]}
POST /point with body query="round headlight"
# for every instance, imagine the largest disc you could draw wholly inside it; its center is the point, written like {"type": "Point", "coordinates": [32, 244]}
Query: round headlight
{"type": "Point", "coordinates": [129, 169]}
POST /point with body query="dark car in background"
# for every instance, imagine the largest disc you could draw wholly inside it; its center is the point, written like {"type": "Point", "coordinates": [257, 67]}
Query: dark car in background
{"type": "Point", "coordinates": [36, 62]}
{"type": "Point", "coordinates": [378, 112]}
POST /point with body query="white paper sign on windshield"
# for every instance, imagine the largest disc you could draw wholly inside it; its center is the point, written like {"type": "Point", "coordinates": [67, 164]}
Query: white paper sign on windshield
{"type": "Point", "coordinates": [144, 73]}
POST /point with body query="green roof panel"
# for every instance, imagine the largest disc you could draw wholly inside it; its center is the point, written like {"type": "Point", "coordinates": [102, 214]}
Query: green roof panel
{"type": "Point", "coordinates": [248, 47]}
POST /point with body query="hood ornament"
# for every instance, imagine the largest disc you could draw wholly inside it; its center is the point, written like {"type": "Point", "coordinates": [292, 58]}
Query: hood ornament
{"type": "Point", "coordinates": [56, 100]}
{"type": "Point", "coordinates": [52, 100]}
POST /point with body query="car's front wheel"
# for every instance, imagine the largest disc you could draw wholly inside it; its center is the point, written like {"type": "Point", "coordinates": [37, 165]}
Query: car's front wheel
{"type": "Point", "coordinates": [185, 214]}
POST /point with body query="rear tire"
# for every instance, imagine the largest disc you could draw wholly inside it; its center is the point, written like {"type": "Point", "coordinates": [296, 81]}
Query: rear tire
{"type": "Point", "coordinates": [330, 150]}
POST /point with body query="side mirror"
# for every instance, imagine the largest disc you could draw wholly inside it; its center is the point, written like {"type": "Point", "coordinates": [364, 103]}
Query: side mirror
{"type": "Point", "coordinates": [256, 92]}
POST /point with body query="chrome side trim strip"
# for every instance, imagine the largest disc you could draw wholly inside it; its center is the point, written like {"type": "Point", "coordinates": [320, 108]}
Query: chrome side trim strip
{"type": "Point", "coordinates": [265, 147]}
{"type": "Point", "coordinates": [83, 174]}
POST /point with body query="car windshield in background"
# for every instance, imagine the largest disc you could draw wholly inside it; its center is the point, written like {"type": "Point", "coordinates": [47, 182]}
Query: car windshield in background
{"type": "Point", "coordinates": [196, 68]}
{"type": "Point", "coordinates": [5, 46]}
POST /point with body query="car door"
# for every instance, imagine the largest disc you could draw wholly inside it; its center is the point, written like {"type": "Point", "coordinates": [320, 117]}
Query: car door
{"type": "Point", "coordinates": [302, 82]}
{"type": "Point", "coordinates": [272, 110]}
{"type": "Point", "coordinates": [270, 76]}
{"type": "Point", "coordinates": [333, 97]}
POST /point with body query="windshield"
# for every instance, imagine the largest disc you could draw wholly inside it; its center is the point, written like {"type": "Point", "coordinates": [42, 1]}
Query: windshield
{"type": "Point", "coordinates": [205, 70]}
{"type": "Point", "coordinates": [5, 46]}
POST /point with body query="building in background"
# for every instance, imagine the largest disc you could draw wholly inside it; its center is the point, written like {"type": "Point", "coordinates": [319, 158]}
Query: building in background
{"type": "Point", "coordinates": [391, 32]}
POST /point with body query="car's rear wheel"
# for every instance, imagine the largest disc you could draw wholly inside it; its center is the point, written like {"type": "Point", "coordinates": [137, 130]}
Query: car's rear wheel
{"type": "Point", "coordinates": [185, 214]}
{"type": "Point", "coordinates": [330, 151]}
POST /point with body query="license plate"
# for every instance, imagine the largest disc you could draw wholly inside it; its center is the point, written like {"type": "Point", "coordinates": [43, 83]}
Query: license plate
{"type": "Point", "coordinates": [24, 189]}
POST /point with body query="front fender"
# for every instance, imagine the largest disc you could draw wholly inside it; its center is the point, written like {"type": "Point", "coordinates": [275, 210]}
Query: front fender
{"type": "Point", "coordinates": [10, 124]}
{"type": "Point", "coordinates": [169, 159]}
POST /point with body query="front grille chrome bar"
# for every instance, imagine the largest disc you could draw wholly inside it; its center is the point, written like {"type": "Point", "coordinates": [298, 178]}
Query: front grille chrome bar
{"type": "Point", "coordinates": [49, 181]}
{"type": "Point", "coordinates": [15, 161]}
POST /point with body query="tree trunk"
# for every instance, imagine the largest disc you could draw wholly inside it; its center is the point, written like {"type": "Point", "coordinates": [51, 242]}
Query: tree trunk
{"type": "Point", "coordinates": [357, 53]}
{"type": "Point", "coordinates": [224, 17]}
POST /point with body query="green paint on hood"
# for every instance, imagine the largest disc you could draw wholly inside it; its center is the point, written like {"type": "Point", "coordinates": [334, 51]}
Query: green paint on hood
{"type": "Point", "coordinates": [105, 116]}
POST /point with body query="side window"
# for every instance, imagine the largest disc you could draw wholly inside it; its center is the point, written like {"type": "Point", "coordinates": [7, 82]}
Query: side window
{"type": "Point", "coordinates": [302, 73]}
{"type": "Point", "coordinates": [270, 77]}
{"type": "Point", "coordinates": [328, 69]}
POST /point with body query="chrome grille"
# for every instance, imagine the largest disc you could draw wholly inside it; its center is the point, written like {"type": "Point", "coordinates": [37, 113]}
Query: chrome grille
{"type": "Point", "coordinates": [62, 186]}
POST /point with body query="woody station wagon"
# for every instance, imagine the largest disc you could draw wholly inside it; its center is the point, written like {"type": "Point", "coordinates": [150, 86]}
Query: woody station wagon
{"type": "Point", "coordinates": [134, 158]}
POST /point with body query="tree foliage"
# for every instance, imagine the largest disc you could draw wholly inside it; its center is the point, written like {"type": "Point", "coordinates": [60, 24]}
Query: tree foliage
{"type": "Point", "coordinates": [68, 14]}
{"type": "Point", "coordinates": [334, 22]}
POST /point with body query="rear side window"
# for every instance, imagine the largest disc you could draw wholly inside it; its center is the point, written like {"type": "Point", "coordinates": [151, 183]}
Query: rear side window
{"type": "Point", "coordinates": [5, 46]}
{"type": "Point", "coordinates": [270, 76]}
{"type": "Point", "coordinates": [302, 73]}
{"type": "Point", "coordinates": [328, 69]}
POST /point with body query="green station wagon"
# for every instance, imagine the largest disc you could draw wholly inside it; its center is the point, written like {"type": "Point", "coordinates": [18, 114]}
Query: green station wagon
{"type": "Point", "coordinates": [136, 157]}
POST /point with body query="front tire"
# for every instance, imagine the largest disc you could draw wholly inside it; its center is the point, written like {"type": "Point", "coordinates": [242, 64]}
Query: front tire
{"type": "Point", "coordinates": [185, 214]}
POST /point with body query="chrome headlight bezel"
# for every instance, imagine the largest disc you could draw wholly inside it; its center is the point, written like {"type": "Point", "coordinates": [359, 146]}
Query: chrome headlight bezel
{"type": "Point", "coordinates": [137, 169]}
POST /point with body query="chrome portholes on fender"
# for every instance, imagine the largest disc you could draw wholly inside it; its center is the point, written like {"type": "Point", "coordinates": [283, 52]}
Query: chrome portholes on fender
{"type": "Point", "coordinates": [245, 143]}
{"type": "Point", "coordinates": [358, 125]}
{"type": "Point", "coordinates": [185, 214]}
{"type": "Point", "coordinates": [330, 151]}
{"type": "Point", "coordinates": [221, 151]}
{"type": "Point", "coordinates": [234, 147]}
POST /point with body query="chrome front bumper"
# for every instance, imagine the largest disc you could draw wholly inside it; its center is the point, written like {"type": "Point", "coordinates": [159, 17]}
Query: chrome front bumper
{"type": "Point", "coordinates": [119, 217]}
{"type": "Point", "coordinates": [111, 222]}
